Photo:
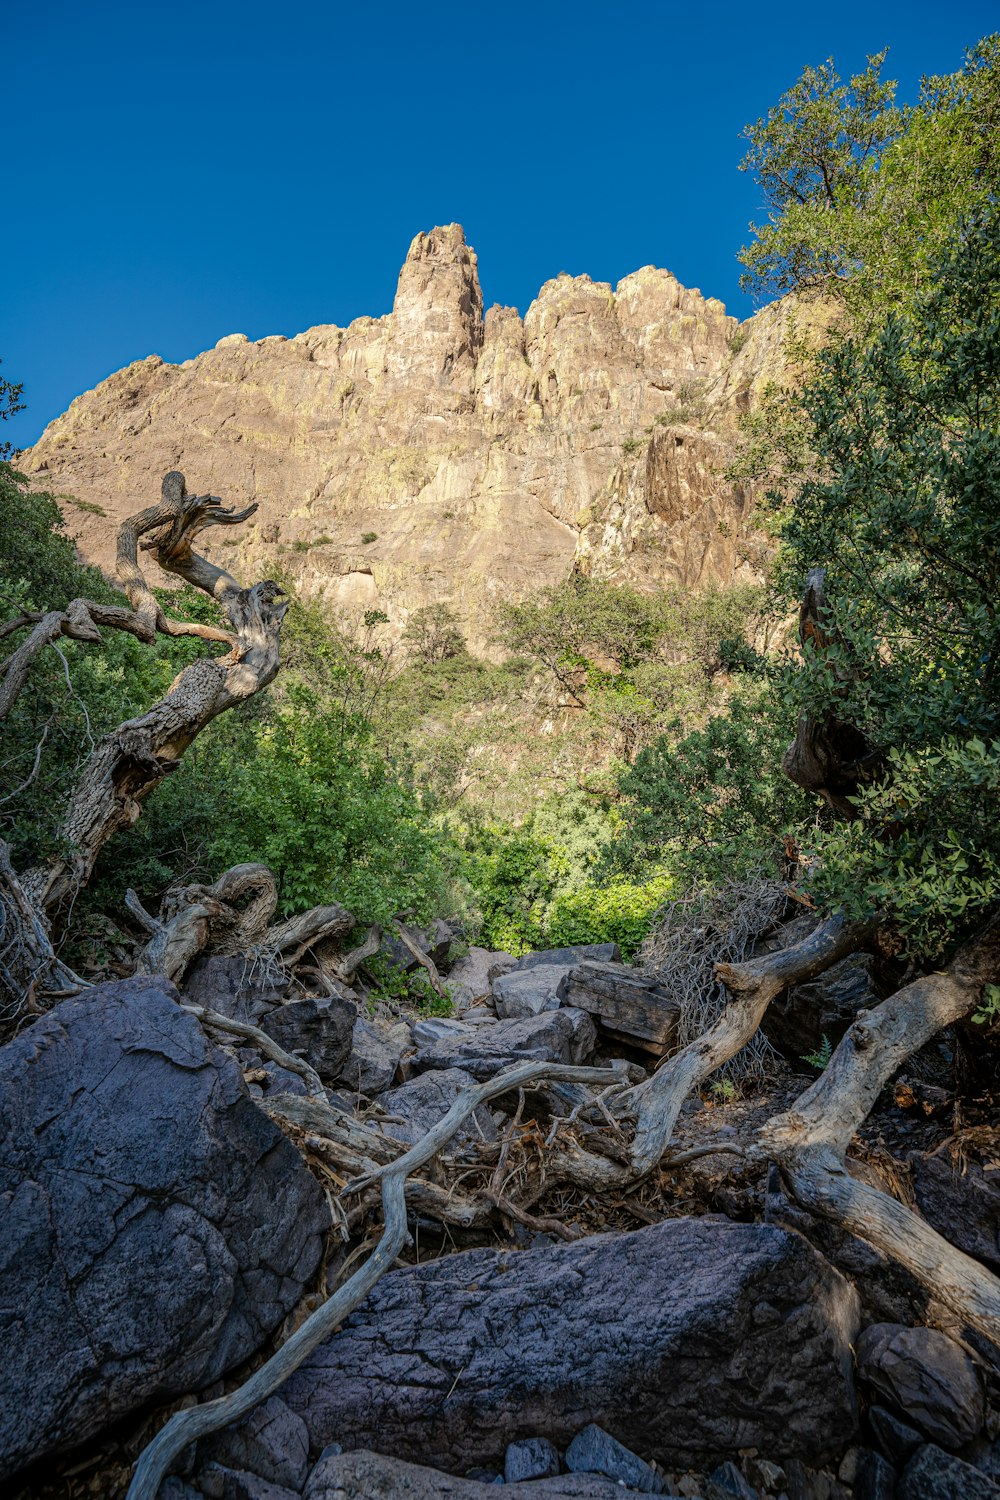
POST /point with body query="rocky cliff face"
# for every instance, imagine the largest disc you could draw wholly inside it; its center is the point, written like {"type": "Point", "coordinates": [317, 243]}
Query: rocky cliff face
{"type": "Point", "coordinates": [488, 456]}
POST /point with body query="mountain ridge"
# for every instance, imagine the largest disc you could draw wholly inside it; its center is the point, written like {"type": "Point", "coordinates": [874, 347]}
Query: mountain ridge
{"type": "Point", "coordinates": [443, 452]}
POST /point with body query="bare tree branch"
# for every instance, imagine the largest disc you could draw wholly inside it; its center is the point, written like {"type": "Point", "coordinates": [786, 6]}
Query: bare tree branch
{"type": "Point", "coordinates": [196, 1422]}
{"type": "Point", "coordinates": [809, 1142]}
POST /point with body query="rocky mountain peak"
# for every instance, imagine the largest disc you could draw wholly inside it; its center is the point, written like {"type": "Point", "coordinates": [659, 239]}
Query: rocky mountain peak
{"type": "Point", "coordinates": [437, 317]}
{"type": "Point", "coordinates": [434, 455]}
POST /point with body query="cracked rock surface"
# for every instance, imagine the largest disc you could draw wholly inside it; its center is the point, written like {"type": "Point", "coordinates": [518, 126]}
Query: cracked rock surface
{"type": "Point", "coordinates": [155, 1226]}
{"type": "Point", "coordinates": [686, 1341]}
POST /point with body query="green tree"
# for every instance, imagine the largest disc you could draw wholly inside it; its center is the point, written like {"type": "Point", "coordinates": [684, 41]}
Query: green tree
{"type": "Point", "coordinates": [903, 514]}
{"type": "Point", "coordinates": [433, 634]}
{"type": "Point", "coordinates": [862, 194]}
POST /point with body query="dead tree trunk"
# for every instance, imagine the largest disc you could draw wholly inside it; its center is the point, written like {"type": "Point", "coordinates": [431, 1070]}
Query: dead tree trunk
{"type": "Point", "coordinates": [829, 755]}
{"type": "Point", "coordinates": [134, 758]}
{"type": "Point", "coordinates": [809, 1143]}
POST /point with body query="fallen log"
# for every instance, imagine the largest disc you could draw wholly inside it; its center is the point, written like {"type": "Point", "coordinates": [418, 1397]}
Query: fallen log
{"type": "Point", "coordinates": [809, 1142]}
{"type": "Point", "coordinates": [752, 986]}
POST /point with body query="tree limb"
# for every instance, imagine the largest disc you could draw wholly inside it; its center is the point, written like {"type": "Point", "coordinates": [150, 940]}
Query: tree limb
{"type": "Point", "coordinates": [752, 986]}
{"type": "Point", "coordinates": [809, 1142]}
{"type": "Point", "coordinates": [196, 1422]}
{"type": "Point", "coordinates": [134, 758]}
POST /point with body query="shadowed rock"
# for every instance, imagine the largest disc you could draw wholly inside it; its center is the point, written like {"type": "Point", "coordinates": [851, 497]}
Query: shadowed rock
{"type": "Point", "coordinates": [686, 1341]}
{"type": "Point", "coordinates": [155, 1226]}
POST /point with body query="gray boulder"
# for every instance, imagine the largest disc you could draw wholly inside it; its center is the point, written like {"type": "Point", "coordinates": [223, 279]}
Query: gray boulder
{"type": "Point", "coordinates": [434, 941]}
{"type": "Point", "coordinates": [155, 1226]}
{"type": "Point", "coordinates": [686, 1341]}
{"type": "Point", "coordinates": [376, 1051]}
{"type": "Point", "coordinates": [469, 979]}
{"type": "Point", "coordinates": [370, 1476]}
{"type": "Point", "coordinates": [594, 1451]}
{"type": "Point", "coordinates": [318, 1028]}
{"type": "Point", "coordinates": [569, 957]}
{"type": "Point", "coordinates": [421, 1102]}
{"type": "Point", "coordinates": [271, 1442]}
{"type": "Point", "coordinates": [235, 986]}
{"type": "Point", "coordinates": [531, 1458]}
{"type": "Point", "coordinates": [528, 992]}
{"type": "Point", "coordinates": [431, 1029]}
{"type": "Point", "coordinates": [963, 1204]}
{"type": "Point", "coordinates": [566, 1036]}
{"type": "Point", "coordinates": [219, 1482]}
{"type": "Point", "coordinates": [932, 1474]}
{"type": "Point", "coordinates": [926, 1378]}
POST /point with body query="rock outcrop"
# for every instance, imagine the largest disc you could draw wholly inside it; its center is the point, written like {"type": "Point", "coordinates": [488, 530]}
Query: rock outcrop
{"type": "Point", "coordinates": [437, 454]}
{"type": "Point", "coordinates": [686, 1341]}
{"type": "Point", "coordinates": [155, 1226]}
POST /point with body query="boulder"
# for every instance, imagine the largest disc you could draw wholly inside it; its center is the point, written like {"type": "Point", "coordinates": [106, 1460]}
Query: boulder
{"type": "Point", "coordinates": [528, 992]}
{"type": "Point", "coordinates": [926, 1378]}
{"type": "Point", "coordinates": [566, 1036]}
{"type": "Point", "coordinates": [932, 1474]}
{"type": "Point", "coordinates": [963, 1204]}
{"type": "Point", "coordinates": [594, 1451]}
{"type": "Point", "coordinates": [271, 1442]}
{"type": "Point", "coordinates": [319, 1028]}
{"type": "Point", "coordinates": [218, 1482]}
{"type": "Point", "coordinates": [155, 1226]}
{"type": "Point", "coordinates": [874, 1478]}
{"type": "Point", "coordinates": [727, 1482]}
{"type": "Point", "coordinates": [434, 941]}
{"type": "Point", "coordinates": [235, 986]}
{"type": "Point", "coordinates": [376, 1051]}
{"type": "Point", "coordinates": [897, 1440]}
{"type": "Point", "coordinates": [531, 1458]}
{"type": "Point", "coordinates": [370, 1476]}
{"type": "Point", "coordinates": [431, 1029]}
{"type": "Point", "coordinates": [629, 1004]}
{"type": "Point", "coordinates": [469, 979]}
{"type": "Point", "coordinates": [569, 957]}
{"type": "Point", "coordinates": [686, 1341]}
{"type": "Point", "coordinates": [421, 1102]}
{"type": "Point", "coordinates": [797, 1020]}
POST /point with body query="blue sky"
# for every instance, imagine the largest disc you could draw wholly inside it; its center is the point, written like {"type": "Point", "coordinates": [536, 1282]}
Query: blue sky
{"type": "Point", "coordinates": [178, 172]}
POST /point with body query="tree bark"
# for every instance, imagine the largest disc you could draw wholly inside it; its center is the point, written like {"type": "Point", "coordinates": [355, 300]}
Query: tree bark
{"type": "Point", "coordinates": [809, 1142]}
{"type": "Point", "coordinates": [752, 986]}
{"type": "Point", "coordinates": [136, 756]}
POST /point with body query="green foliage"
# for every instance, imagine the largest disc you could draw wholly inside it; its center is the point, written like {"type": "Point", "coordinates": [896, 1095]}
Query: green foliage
{"type": "Point", "coordinates": [369, 536]}
{"type": "Point", "coordinates": [988, 1013]}
{"type": "Point", "coordinates": [821, 1057]}
{"type": "Point", "coordinates": [863, 194]}
{"type": "Point", "coordinates": [714, 803]}
{"type": "Point", "coordinates": [903, 513]}
{"type": "Point", "coordinates": [540, 886]}
{"type": "Point", "coordinates": [395, 985]}
{"type": "Point", "coordinates": [433, 634]}
{"type": "Point", "coordinates": [10, 405]}
{"type": "Point", "coordinates": [724, 1090]}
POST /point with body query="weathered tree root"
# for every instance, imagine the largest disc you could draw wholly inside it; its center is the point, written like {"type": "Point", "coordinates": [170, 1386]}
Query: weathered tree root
{"type": "Point", "coordinates": [196, 1422]}
{"type": "Point", "coordinates": [809, 1142]}
{"type": "Point", "coordinates": [752, 986]}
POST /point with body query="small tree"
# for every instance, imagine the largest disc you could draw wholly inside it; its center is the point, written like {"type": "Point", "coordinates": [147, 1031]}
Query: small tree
{"type": "Point", "coordinates": [433, 634]}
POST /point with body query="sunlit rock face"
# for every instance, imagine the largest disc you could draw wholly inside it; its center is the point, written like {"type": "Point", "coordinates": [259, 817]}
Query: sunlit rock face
{"type": "Point", "coordinates": [440, 454]}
